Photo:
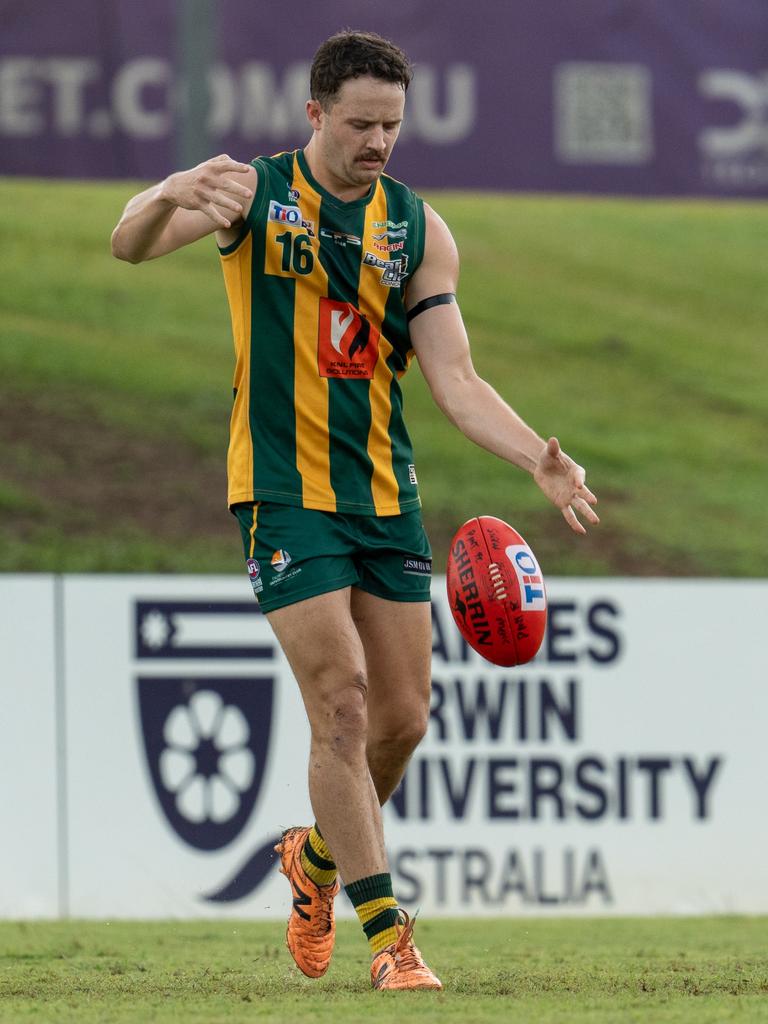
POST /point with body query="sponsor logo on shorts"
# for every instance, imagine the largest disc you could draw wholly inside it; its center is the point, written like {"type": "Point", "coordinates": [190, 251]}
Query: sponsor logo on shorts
{"type": "Point", "coordinates": [254, 574]}
{"type": "Point", "coordinates": [417, 566]}
{"type": "Point", "coordinates": [281, 560]}
{"type": "Point", "coordinates": [292, 216]}
{"type": "Point", "coordinates": [288, 576]}
{"type": "Point", "coordinates": [412, 474]}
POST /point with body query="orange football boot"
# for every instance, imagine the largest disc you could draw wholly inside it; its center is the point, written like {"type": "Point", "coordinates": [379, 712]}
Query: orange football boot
{"type": "Point", "coordinates": [401, 965]}
{"type": "Point", "coordinates": [311, 927]}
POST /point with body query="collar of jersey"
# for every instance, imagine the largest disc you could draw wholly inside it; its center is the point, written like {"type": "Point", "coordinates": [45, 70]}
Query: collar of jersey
{"type": "Point", "coordinates": [327, 196]}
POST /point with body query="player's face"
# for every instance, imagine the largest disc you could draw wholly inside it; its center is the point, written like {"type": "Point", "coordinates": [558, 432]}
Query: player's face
{"type": "Point", "coordinates": [355, 135]}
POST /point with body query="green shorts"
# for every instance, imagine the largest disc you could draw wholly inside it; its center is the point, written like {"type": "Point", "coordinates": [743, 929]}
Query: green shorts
{"type": "Point", "coordinates": [295, 553]}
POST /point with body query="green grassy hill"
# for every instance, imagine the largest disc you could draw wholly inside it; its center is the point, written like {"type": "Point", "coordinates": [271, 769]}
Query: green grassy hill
{"type": "Point", "coordinates": [634, 330]}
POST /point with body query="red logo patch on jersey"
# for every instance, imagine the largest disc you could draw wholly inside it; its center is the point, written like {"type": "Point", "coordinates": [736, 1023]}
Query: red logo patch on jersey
{"type": "Point", "coordinates": [347, 343]}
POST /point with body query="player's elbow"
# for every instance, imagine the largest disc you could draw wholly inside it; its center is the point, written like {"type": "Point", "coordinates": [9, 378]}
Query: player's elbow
{"type": "Point", "coordinates": [121, 250]}
{"type": "Point", "coordinates": [452, 392]}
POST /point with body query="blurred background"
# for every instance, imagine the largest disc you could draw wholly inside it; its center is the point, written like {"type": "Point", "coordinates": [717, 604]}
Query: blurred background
{"type": "Point", "coordinates": [603, 167]}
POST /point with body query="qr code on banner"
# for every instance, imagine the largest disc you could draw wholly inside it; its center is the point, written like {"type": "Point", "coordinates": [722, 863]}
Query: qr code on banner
{"type": "Point", "coordinates": [603, 113]}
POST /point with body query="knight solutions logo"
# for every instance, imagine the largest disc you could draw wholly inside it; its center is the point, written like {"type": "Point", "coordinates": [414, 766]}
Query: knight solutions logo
{"type": "Point", "coordinates": [348, 344]}
{"type": "Point", "coordinates": [206, 733]}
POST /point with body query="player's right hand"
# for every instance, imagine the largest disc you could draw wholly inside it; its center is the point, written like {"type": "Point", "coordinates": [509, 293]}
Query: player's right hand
{"type": "Point", "coordinates": [563, 482]}
{"type": "Point", "coordinates": [209, 189]}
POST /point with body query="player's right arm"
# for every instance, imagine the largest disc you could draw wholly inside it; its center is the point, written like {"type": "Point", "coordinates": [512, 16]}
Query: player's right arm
{"type": "Point", "coordinates": [481, 414]}
{"type": "Point", "coordinates": [214, 196]}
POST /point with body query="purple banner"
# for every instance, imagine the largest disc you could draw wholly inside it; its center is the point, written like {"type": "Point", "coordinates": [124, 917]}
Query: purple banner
{"type": "Point", "coordinates": [624, 96]}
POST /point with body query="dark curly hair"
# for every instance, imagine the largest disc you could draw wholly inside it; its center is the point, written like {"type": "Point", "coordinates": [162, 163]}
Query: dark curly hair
{"type": "Point", "coordinates": [349, 54]}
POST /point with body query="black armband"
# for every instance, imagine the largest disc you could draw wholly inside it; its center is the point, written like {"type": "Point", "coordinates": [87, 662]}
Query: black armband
{"type": "Point", "coordinates": [433, 300]}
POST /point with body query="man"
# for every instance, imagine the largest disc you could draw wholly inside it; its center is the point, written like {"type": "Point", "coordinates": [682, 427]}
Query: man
{"type": "Point", "coordinates": [336, 275]}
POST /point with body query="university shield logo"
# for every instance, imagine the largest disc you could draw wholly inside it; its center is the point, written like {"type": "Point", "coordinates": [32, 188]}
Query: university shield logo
{"type": "Point", "coordinates": [206, 742]}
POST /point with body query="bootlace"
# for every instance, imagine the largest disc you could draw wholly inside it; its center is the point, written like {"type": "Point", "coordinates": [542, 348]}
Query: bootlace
{"type": "Point", "coordinates": [321, 919]}
{"type": "Point", "coordinates": [405, 951]}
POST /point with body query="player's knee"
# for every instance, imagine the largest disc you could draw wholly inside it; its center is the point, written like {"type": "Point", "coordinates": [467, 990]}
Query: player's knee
{"type": "Point", "coordinates": [416, 731]}
{"type": "Point", "coordinates": [341, 719]}
{"type": "Point", "coordinates": [403, 735]}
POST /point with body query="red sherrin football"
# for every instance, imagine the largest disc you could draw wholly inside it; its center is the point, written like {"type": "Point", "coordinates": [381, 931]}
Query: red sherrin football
{"type": "Point", "coordinates": [496, 591]}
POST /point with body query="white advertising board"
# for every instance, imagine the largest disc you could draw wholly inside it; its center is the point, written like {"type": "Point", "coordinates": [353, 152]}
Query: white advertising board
{"type": "Point", "coordinates": [30, 807]}
{"type": "Point", "coordinates": [183, 722]}
{"type": "Point", "coordinates": [619, 773]}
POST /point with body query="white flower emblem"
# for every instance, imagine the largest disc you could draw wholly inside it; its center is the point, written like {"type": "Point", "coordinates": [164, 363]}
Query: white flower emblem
{"type": "Point", "coordinates": [155, 629]}
{"type": "Point", "coordinates": [207, 763]}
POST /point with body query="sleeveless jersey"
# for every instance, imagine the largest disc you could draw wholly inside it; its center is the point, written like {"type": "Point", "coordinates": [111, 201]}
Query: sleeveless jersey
{"type": "Point", "coordinates": [315, 289]}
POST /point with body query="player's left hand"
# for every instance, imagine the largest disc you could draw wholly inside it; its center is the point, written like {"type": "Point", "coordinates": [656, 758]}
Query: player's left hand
{"type": "Point", "coordinates": [562, 480]}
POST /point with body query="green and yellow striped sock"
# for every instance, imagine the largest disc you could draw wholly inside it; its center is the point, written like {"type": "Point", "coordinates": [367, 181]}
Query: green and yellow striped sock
{"type": "Point", "coordinates": [317, 859]}
{"type": "Point", "coordinates": [377, 909]}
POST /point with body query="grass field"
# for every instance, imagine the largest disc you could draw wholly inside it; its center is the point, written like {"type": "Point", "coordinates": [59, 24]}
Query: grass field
{"type": "Point", "coordinates": [635, 330]}
{"type": "Point", "coordinates": [673, 971]}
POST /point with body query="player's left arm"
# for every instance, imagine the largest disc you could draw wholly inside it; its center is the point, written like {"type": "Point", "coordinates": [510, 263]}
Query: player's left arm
{"type": "Point", "coordinates": [441, 345]}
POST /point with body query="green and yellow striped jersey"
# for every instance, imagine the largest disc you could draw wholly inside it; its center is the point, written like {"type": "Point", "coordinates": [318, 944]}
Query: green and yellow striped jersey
{"type": "Point", "coordinates": [315, 289]}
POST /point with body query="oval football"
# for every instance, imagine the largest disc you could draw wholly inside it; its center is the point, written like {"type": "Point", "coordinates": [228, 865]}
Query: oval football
{"type": "Point", "coordinates": [496, 591]}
